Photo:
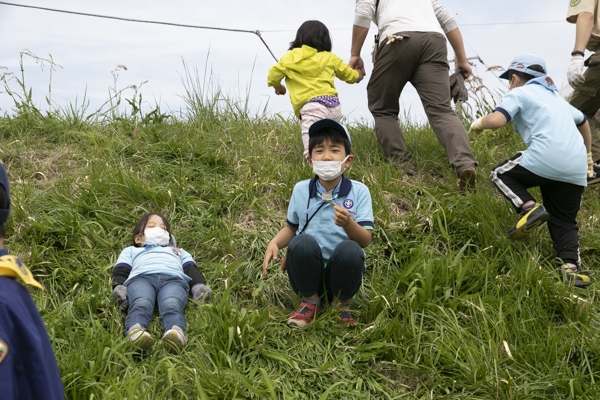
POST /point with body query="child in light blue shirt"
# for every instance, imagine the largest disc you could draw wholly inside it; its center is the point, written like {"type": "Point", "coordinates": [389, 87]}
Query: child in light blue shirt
{"type": "Point", "coordinates": [151, 271]}
{"type": "Point", "coordinates": [557, 137]}
{"type": "Point", "coordinates": [329, 222]}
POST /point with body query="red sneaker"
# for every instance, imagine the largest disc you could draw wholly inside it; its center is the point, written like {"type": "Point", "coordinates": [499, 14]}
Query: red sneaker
{"type": "Point", "coordinates": [304, 315]}
{"type": "Point", "coordinates": [346, 317]}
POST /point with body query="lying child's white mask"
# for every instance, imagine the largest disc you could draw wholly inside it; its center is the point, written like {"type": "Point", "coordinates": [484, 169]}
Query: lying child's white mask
{"type": "Point", "coordinates": [328, 170]}
{"type": "Point", "coordinates": [157, 235]}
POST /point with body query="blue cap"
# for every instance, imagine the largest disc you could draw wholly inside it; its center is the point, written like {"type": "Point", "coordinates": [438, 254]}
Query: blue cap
{"type": "Point", "coordinates": [328, 123]}
{"type": "Point", "coordinates": [4, 184]}
{"type": "Point", "coordinates": [522, 62]}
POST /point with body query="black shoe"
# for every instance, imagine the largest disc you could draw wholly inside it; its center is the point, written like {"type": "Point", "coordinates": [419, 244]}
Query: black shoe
{"type": "Point", "coordinates": [575, 277]}
{"type": "Point", "coordinates": [529, 220]}
{"type": "Point", "coordinates": [466, 179]}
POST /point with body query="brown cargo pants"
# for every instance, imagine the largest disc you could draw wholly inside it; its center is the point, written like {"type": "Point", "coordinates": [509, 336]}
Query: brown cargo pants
{"type": "Point", "coordinates": [421, 59]}
{"type": "Point", "coordinates": [586, 98]}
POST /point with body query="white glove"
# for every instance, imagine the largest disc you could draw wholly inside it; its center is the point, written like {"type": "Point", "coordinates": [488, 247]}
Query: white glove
{"type": "Point", "coordinates": [119, 294]}
{"type": "Point", "coordinates": [590, 170]}
{"type": "Point", "coordinates": [201, 293]}
{"type": "Point", "coordinates": [477, 126]}
{"type": "Point", "coordinates": [575, 71]}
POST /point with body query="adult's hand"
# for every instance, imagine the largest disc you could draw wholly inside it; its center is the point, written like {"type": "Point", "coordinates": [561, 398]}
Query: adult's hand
{"type": "Point", "coordinates": [357, 63]}
{"type": "Point", "coordinates": [575, 71]}
{"type": "Point", "coordinates": [590, 162]}
{"type": "Point", "coordinates": [466, 68]}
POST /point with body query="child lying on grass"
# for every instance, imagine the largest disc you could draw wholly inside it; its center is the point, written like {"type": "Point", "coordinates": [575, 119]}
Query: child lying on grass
{"type": "Point", "coordinates": [154, 270]}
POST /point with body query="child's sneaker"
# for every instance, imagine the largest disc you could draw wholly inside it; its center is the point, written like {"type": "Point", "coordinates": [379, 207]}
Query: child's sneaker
{"type": "Point", "coordinates": [174, 339]}
{"type": "Point", "coordinates": [529, 220]}
{"type": "Point", "coordinates": [304, 315]}
{"type": "Point", "coordinates": [346, 317]}
{"type": "Point", "coordinates": [140, 338]}
{"type": "Point", "coordinates": [574, 277]}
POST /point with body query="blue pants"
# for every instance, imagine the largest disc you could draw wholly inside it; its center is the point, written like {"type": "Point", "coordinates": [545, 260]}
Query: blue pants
{"type": "Point", "coordinates": [308, 275]}
{"type": "Point", "coordinates": [143, 291]}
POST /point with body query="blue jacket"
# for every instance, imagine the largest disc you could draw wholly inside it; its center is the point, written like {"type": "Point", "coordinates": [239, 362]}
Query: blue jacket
{"type": "Point", "coordinates": [28, 368]}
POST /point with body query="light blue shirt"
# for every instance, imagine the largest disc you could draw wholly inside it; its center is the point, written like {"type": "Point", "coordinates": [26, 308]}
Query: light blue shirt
{"type": "Point", "coordinates": [548, 126]}
{"type": "Point", "coordinates": [155, 259]}
{"type": "Point", "coordinates": [352, 195]}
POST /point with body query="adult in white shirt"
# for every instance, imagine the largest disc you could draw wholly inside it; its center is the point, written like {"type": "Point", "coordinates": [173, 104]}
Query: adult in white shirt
{"type": "Point", "coordinates": [412, 48]}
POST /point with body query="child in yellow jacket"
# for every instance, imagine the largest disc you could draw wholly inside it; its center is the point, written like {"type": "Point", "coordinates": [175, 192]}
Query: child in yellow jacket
{"type": "Point", "coordinates": [309, 69]}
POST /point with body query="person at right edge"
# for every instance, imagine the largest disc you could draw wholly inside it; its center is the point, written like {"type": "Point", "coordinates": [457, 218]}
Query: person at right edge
{"type": "Point", "coordinates": [413, 49]}
{"type": "Point", "coordinates": [557, 136]}
{"type": "Point", "coordinates": [28, 368]}
{"type": "Point", "coordinates": [586, 95]}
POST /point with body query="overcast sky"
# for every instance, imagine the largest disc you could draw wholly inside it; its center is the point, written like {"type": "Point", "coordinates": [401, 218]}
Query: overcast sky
{"type": "Point", "coordinates": [88, 49]}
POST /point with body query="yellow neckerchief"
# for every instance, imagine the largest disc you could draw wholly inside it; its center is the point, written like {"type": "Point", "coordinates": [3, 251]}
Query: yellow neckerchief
{"type": "Point", "coordinates": [12, 267]}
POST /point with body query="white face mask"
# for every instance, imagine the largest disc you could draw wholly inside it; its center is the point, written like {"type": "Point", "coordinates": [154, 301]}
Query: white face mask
{"type": "Point", "coordinates": [328, 170]}
{"type": "Point", "coordinates": [157, 235]}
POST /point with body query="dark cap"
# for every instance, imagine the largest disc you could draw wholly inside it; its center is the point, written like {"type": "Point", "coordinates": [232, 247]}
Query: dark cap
{"type": "Point", "coordinates": [329, 123]}
{"type": "Point", "coordinates": [4, 183]}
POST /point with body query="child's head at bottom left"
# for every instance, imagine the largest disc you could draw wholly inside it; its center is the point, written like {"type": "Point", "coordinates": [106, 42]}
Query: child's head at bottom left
{"type": "Point", "coordinates": [152, 228]}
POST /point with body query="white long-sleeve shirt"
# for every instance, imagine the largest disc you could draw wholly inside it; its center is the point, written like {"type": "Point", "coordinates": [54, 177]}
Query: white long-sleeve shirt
{"type": "Point", "coordinates": [395, 16]}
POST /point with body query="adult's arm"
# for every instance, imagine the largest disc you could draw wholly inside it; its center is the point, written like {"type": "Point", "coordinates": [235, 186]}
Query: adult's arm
{"type": "Point", "coordinates": [363, 15]}
{"type": "Point", "coordinates": [587, 136]}
{"type": "Point", "coordinates": [359, 34]}
{"type": "Point", "coordinates": [456, 41]}
{"type": "Point", "coordinates": [450, 27]}
{"type": "Point", "coordinates": [583, 30]}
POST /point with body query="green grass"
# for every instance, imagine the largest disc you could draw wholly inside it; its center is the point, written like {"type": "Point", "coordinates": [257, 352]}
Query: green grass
{"type": "Point", "coordinates": [449, 308]}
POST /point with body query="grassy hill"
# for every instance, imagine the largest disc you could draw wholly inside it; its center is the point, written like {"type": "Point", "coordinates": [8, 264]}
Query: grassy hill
{"type": "Point", "coordinates": [449, 307]}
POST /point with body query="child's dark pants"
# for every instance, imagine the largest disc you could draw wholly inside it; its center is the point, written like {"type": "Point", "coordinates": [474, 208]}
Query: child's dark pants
{"type": "Point", "coordinates": [561, 199]}
{"type": "Point", "coordinates": [308, 274]}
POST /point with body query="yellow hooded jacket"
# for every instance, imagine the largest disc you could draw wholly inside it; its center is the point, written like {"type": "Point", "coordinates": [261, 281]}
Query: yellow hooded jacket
{"type": "Point", "coordinates": [309, 73]}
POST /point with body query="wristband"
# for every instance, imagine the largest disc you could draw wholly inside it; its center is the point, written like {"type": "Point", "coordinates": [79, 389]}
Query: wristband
{"type": "Point", "coordinates": [577, 53]}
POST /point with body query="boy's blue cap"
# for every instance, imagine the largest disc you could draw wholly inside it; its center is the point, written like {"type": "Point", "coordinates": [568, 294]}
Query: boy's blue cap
{"type": "Point", "coordinates": [522, 62]}
{"type": "Point", "coordinates": [4, 184]}
{"type": "Point", "coordinates": [328, 123]}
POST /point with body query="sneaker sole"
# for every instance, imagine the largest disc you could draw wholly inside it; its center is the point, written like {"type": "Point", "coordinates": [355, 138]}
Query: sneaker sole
{"type": "Point", "coordinates": [143, 343]}
{"type": "Point", "coordinates": [297, 323]}
{"type": "Point", "coordinates": [525, 230]}
{"type": "Point", "coordinates": [172, 343]}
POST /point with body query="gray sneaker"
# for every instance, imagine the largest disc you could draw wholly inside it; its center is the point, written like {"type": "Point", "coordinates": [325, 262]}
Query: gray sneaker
{"type": "Point", "coordinates": [140, 338]}
{"type": "Point", "coordinates": [174, 339]}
